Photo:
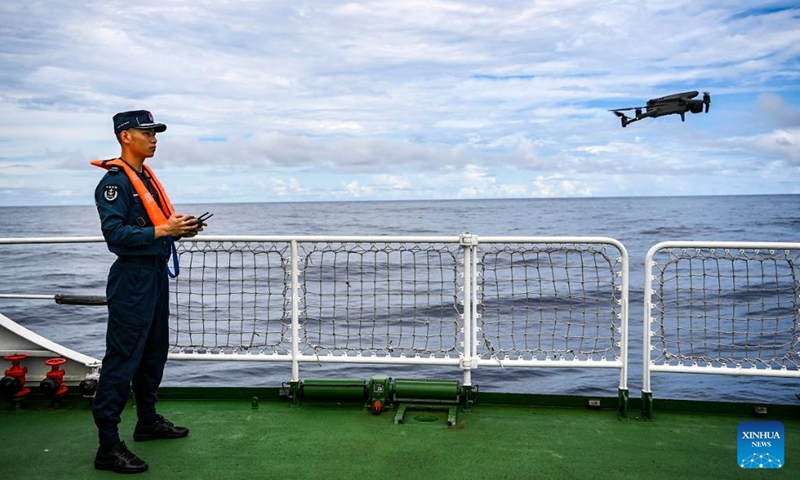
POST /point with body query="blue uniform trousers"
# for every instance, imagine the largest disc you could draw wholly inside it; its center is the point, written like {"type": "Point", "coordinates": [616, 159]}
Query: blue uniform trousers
{"type": "Point", "coordinates": [137, 342]}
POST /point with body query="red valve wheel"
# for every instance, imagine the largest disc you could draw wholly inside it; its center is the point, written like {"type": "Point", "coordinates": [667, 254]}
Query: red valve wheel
{"type": "Point", "coordinates": [16, 357]}
{"type": "Point", "coordinates": [55, 362]}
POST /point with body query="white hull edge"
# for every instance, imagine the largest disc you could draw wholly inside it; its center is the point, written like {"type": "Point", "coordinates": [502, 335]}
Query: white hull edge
{"type": "Point", "coordinates": [16, 339]}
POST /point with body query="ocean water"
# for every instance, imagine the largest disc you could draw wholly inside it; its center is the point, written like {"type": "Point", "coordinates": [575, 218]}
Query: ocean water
{"type": "Point", "coordinates": [638, 223]}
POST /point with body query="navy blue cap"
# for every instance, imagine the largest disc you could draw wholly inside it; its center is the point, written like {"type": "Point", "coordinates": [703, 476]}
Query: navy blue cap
{"type": "Point", "coordinates": [141, 119]}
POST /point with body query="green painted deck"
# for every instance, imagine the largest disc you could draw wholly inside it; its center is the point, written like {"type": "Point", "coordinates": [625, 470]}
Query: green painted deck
{"type": "Point", "coordinates": [231, 440]}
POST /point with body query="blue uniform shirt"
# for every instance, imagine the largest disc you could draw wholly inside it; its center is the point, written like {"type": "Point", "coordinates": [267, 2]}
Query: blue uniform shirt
{"type": "Point", "coordinates": [123, 218]}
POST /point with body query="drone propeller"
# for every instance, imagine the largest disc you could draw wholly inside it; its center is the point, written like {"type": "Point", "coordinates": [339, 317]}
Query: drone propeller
{"type": "Point", "coordinates": [707, 100]}
{"type": "Point", "coordinates": [618, 110]}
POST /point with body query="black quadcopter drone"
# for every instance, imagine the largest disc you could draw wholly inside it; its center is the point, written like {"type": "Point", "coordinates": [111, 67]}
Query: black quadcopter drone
{"type": "Point", "coordinates": [679, 103]}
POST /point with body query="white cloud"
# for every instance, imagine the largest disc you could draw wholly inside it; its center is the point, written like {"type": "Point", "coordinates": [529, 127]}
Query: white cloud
{"type": "Point", "coordinates": [774, 108]}
{"type": "Point", "coordinates": [418, 99]}
{"type": "Point", "coordinates": [783, 143]}
{"type": "Point", "coordinates": [395, 182]}
{"type": "Point", "coordinates": [356, 190]}
{"type": "Point", "coordinates": [288, 187]}
{"type": "Point", "coordinates": [557, 185]}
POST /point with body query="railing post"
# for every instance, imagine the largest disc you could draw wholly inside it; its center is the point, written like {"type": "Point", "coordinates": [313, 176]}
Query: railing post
{"type": "Point", "coordinates": [295, 275]}
{"type": "Point", "coordinates": [469, 359]}
{"type": "Point", "coordinates": [647, 393]}
{"type": "Point", "coordinates": [623, 392]}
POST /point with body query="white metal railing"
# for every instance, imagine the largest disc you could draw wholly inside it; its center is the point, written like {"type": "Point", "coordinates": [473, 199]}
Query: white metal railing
{"type": "Point", "coordinates": [726, 308]}
{"type": "Point", "coordinates": [461, 301]}
{"type": "Point", "coordinates": [595, 273]}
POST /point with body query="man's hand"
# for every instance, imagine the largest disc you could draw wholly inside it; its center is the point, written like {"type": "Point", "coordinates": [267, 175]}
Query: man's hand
{"type": "Point", "coordinates": [198, 227]}
{"type": "Point", "coordinates": [179, 225]}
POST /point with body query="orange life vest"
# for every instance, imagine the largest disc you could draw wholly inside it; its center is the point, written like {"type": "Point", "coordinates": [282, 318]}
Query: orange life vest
{"type": "Point", "coordinates": [158, 215]}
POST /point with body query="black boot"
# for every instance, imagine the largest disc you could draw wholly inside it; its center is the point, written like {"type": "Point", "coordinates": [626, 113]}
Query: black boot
{"type": "Point", "coordinates": [161, 428]}
{"type": "Point", "coordinates": [118, 459]}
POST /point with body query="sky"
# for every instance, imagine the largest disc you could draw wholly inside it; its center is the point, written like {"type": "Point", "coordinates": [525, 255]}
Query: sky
{"type": "Point", "coordinates": [304, 100]}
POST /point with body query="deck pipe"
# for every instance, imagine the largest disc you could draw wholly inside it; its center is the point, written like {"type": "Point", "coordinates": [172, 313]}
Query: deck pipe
{"type": "Point", "coordinates": [381, 390]}
{"type": "Point", "coordinates": [428, 391]}
{"type": "Point", "coordinates": [354, 390]}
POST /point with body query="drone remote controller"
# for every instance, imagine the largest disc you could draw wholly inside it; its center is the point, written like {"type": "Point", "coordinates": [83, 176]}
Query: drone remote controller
{"type": "Point", "coordinates": [202, 218]}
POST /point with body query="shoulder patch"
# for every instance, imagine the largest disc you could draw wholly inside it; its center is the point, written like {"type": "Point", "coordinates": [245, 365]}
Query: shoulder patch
{"type": "Point", "coordinates": [111, 192]}
{"type": "Point", "coordinates": [114, 170]}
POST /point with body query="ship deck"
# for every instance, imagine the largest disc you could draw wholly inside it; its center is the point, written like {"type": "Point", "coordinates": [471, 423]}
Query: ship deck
{"type": "Point", "coordinates": [500, 437]}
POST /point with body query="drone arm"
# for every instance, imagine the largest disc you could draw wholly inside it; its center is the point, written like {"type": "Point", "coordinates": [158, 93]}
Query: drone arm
{"type": "Point", "coordinates": [624, 119]}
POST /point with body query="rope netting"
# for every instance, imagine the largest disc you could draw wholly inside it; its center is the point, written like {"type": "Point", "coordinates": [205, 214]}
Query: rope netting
{"type": "Point", "coordinates": [550, 301]}
{"type": "Point", "coordinates": [232, 297]}
{"type": "Point", "coordinates": [534, 301]}
{"type": "Point", "coordinates": [725, 308]}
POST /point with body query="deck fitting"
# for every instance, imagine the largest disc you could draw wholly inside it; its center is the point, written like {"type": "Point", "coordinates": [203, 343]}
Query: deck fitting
{"type": "Point", "coordinates": [452, 411]}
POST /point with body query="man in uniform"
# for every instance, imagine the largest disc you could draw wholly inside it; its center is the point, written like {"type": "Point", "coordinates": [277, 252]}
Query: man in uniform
{"type": "Point", "coordinates": [139, 226]}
